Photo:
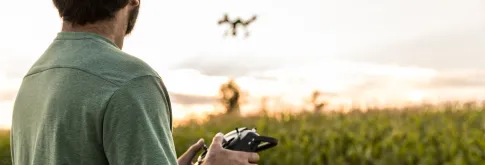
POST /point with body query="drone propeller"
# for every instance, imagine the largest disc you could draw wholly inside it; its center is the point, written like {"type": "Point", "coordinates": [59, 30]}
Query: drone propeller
{"type": "Point", "coordinates": [224, 19]}
{"type": "Point", "coordinates": [245, 23]}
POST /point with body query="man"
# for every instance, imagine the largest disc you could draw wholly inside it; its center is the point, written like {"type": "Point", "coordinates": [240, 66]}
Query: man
{"type": "Point", "coordinates": [85, 102]}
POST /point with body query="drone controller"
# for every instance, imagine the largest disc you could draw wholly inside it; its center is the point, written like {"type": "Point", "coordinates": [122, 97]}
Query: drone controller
{"type": "Point", "coordinates": [243, 139]}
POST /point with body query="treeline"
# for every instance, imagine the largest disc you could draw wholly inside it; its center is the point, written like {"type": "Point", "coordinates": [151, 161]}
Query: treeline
{"type": "Point", "coordinates": [232, 97]}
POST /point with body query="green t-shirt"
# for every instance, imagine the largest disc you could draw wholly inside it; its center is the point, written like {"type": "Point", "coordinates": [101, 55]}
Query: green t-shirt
{"type": "Point", "coordinates": [85, 102]}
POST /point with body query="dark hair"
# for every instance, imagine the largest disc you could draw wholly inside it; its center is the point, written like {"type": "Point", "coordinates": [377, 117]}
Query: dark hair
{"type": "Point", "coordinates": [88, 11]}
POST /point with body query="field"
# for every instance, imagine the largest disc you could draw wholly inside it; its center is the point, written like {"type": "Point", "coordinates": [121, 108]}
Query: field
{"type": "Point", "coordinates": [4, 148]}
{"type": "Point", "coordinates": [417, 137]}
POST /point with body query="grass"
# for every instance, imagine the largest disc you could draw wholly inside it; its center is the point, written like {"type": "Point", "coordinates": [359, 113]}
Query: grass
{"type": "Point", "coordinates": [417, 137]}
{"type": "Point", "coordinates": [5, 147]}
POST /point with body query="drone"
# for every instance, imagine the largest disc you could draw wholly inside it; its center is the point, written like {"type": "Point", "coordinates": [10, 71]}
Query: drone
{"type": "Point", "coordinates": [235, 24]}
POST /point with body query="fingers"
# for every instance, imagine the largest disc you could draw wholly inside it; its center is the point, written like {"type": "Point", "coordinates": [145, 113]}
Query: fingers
{"type": "Point", "coordinates": [217, 141]}
{"type": "Point", "coordinates": [197, 146]}
{"type": "Point", "coordinates": [253, 157]}
{"type": "Point", "coordinates": [250, 157]}
{"type": "Point", "coordinates": [187, 157]}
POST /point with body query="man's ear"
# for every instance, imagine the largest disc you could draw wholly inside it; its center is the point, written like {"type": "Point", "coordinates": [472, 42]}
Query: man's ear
{"type": "Point", "coordinates": [135, 3]}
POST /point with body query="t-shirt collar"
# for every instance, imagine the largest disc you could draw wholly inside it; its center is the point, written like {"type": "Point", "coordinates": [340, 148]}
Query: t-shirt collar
{"type": "Point", "coordinates": [83, 35]}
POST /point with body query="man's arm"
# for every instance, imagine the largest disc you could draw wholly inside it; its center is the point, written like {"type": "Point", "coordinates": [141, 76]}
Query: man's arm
{"type": "Point", "coordinates": [136, 125]}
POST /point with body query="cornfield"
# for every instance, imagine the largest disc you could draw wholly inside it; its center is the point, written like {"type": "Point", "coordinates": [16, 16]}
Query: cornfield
{"type": "Point", "coordinates": [408, 137]}
{"type": "Point", "coordinates": [453, 137]}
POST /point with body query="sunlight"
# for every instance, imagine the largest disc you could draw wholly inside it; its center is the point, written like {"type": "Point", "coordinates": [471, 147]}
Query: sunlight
{"type": "Point", "coordinates": [189, 81]}
{"type": "Point", "coordinates": [6, 108]}
{"type": "Point", "coordinates": [416, 96]}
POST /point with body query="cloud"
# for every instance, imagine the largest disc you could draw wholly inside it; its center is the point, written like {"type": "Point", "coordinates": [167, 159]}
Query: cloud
{"type": "Point", "coordinates": [6, 108]}
{"type": "Point", "coordinates": [221, 66]}
{"type": "Point", "coordinates": [186, 99]}
{"type": "Point", "coordinates": [445, 83]}
{"type": "Point", "coordinates": [458, 80]}
{"type": "Point", "coordinates": [362, 25]}
{"type": "Point", "coordinates": [450, 51]}
{"type": "Point", "coordinates": [266, 78]}
{"type": "Point", "coordinates": [369, 83]}
{"type": "Point", "coordinates": [239, 65]}
{"type": "Point", "coordinates": [8, 87]}
{"type": "Point", "coordinates": [8, 95]}
{"type": "Point", "coordinates": [14, 66]}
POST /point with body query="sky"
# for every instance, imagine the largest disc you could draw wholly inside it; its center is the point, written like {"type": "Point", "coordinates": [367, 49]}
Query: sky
{"type": "Point", "coordinates": [358, 51]}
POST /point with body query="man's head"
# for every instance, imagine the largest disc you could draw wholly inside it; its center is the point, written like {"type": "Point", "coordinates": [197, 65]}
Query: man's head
{"type": "Point", "coordinates": [121, 14]}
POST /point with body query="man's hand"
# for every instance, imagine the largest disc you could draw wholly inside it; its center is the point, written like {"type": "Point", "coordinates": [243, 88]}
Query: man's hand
{"type": "Point", "coordinates": [216, 155]}
{"type": "Point", "coordinates": [186, 158]}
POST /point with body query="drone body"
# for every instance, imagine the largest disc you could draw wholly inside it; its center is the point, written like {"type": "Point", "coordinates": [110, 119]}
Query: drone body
{"type": "Point", "coordinates": [235, 24]}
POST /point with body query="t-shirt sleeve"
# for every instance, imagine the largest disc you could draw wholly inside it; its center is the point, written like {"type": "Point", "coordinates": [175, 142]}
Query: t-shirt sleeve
{"type": "Point", "coordinates": [137, 125]}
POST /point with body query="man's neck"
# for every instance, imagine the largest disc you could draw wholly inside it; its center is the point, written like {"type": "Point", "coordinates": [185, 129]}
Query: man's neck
{"type": "Point", "coordinates": [105, 29]}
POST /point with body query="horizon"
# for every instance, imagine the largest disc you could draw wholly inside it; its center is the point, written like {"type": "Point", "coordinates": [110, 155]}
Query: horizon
{"type": "Point", "coordinates": [391, 52]}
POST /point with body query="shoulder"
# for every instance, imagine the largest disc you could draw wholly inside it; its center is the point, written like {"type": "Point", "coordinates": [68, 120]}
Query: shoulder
{"type": "Point", "coordinates": [120, 67]}
{"type": "Point", "coordinates": [94, 57]}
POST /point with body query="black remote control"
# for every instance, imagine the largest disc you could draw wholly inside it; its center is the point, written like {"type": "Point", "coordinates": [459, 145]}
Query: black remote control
{"type": "Point", "coordinates": [243, 139]}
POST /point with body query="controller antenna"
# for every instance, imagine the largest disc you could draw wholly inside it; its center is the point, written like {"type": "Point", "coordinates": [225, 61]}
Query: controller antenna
{"type": "Point", "coordinates": [238, 134]}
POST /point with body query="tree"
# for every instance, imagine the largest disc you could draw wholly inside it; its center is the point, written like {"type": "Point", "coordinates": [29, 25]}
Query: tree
{"type": "Point", "coordinates": [316, 101]}
{"type": "Point", "coordinates": [230, 97]}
